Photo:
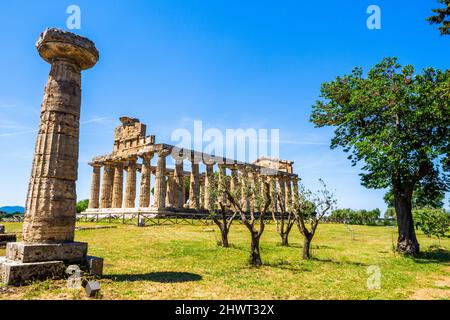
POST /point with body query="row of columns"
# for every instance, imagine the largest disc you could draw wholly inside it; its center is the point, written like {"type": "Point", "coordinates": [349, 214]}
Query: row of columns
{"type": "Point", "coordinates": [169, 188]}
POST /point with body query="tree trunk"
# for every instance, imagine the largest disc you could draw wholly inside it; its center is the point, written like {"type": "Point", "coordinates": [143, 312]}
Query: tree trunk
{"type": "Point", "coordinates": [224, 233]}
{"type": "Point", "coordinates": [407, 241]}
{"type": "Point", "coordinates": [255, 256]}
{"type": "Point", "coordinates": [285, 239]}
{"type": "Point", "coordinates": [306, 248]}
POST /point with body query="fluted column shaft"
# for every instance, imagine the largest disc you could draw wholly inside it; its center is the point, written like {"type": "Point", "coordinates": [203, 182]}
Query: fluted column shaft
{"type": "Point", "coordinates": [194, 187]}
{"type": "Point", "coordinates": [160, 181]}
{"type": "Point", "coordinates": [288, 197]}
{"type": "Point", "coordinates": [170, 191]}
{"type": "Point", "coordinates": [179, 184]}
{"type": "Point", "coordinates": [117, 188]}
{"type": "Point", "coordinates": [209, 185]}
{"type": "Point", "coordinates": [222, 183]}
{"type": "Point", "coordinates": [245, 201]}
{"type": "Point", "coordinates": [234, 181]}
{"type": "Point", "coordinates": [282, 193]}
{"type": "Point", "coordinates": [94, 202]}
{"type": "Point", "coordinates": [146, 175]}
{"type": "Point", "coordinates": [130, 189]}
{"type": "Point", "coordinates": [295, 197]}
{"type": "Point", "coordinates": [107, 181]}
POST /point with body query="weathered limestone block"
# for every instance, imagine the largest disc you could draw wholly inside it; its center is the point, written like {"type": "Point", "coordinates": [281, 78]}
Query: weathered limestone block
{"type": "Point", "coordinates": [72, 252]}
{"type": "Point", "coordinates": [95, 265]}
{"type": "Point", "coordinates": [17, 273]}
{"type": "Point", "coordinates": [7, 237]}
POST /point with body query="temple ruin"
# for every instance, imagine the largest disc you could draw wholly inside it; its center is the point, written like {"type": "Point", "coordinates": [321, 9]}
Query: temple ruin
{"type": "Point", "coordinates": [134, 152]}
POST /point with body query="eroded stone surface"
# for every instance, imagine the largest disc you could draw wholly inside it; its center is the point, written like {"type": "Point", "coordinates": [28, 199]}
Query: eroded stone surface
{"type": "Point", "coordinates": [74, 252]}
{"type": "Point", "coordinates": [15, 273]}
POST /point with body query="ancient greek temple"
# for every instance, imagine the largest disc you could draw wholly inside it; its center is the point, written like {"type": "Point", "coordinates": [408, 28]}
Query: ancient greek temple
{"type": "Point", "coordinates": [174, 189]}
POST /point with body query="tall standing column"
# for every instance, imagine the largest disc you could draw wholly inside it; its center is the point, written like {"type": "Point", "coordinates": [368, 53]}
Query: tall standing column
{"type": "Point", "coordinates": [107, 181]}
{"type": "Point", "coordinates": [222, 183]}
{"type": "Point", "coordinates": [130, 189]}
{"type": "Point", "coordinates": [170, 194]}
{"type": "Point", "coordinates": [117, 189]}
{"type": "Point", "coordinates": [273, 193]}
{"type": "Point", "coordinates": [209, 185]}
{"type": "Point", "coordinates": [288, 197]}
{"type": "Point", "coordinates": [179, 184]}
{"type": "Point", "coordinates": [94, 202]}
{"type": "Point", "coordinates": [234, 181]}
{"type": "Point", "coordinates": [146, 175]}
{"type": "Point", "coordinates": [281, 193]}
{"type": "Point", "coordinates": [245, 201]}
{"type": "Point", "coordinates": [295, 197]}
{"type": "Point", "coordinates": [160, 180]}
{"type": "Point", "coordinates": [51, 202]}
{"type": "Point", "coordinates": [194, 186]}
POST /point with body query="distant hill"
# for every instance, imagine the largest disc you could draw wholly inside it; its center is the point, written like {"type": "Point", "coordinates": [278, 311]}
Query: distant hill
{"type": "Point", "coordinates": [13, 209]}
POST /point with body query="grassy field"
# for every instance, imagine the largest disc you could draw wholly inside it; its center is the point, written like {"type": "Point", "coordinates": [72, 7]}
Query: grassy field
{"type": "Point", "coordinates": [184, 262]}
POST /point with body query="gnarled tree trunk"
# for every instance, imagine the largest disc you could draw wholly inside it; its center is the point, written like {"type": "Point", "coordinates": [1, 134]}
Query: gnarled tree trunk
{"type": "Point", "coordinates": [255, 255]}
{"type": "Point", "coordinates": [306, 254]}
{"type": "Point", "coordinates": [407, 241]}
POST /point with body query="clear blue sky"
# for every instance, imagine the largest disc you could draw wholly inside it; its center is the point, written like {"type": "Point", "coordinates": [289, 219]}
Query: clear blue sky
{"type": "Point", "coordinates": [231, 64]}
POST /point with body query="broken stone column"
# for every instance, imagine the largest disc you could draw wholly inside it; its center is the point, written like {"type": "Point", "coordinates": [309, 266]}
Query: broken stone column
{"type": "Point", "coordinates": [146, 174]}
{"type": "Point", "coordinates": [94, 202]}
{"type": "Point", "coordinates": [130, 189]}
{"type": "Point", "coordinates": [49, 226]}
{"type": "Point", "coordinates": [117, 189]}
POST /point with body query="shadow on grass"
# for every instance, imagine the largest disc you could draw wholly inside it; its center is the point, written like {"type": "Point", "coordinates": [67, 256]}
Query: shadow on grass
{"type": "Point", "coordinates": [162, 277]}
{"type": "Point", "coordinates": [433, 256]}
{"type": "Point", "coordinates": [341, 263]}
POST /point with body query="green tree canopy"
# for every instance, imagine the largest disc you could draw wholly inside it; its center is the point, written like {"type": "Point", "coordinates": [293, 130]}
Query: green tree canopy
{"type": "Point", "coordinates": [397, 124]}
{"type": "Point", "coordinates": [442, 17]}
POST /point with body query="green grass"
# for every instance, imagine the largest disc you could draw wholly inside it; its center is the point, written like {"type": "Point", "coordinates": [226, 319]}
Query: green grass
{"type": "Point", "coordinates": [184, 262]}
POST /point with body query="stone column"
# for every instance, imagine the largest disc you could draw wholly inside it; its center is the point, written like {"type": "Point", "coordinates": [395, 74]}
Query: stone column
{"type": "Point", "coordinates": [179, 184]}
{"type": "Point", "coordinates": [94, 202]}
{"type": "Point", "coordinates": [170, 190]}
{"type": "Point", "coordinates": [202, 191]}
{"type": "Point", "coordinates": [107, 181]}
{"type": "Point", "coordinates": [130, 188]}
{"type": "Point", "coordinates": [194, 186]}
{"type": "Point", "coordinates": [295, 196]}
{"type": "Point", "coordinates": [51, 201]}
{"type": "Point", "coordinates": [234, 181]}
{"type": "Point", "coordinates": [245, 201]}
{"type": "Point", "coordinates": [50, 214]}
{"type": "Point", "coordinates": [117, 189]}
{"type": "Point", "coordinates": [281, 192]}
{"type": "Point", "coordinates": [273, 193]}
{"type": "Point", "coordinates": [160, 180]}
{"type": "Point", "coordinates": [222, 183]}
{"type": "Point", "coordinates": [288, 197]}
{"type": "Point", "coordinates": [146, 175]}
{"type": "Point", "coordinates": [209, 185]}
